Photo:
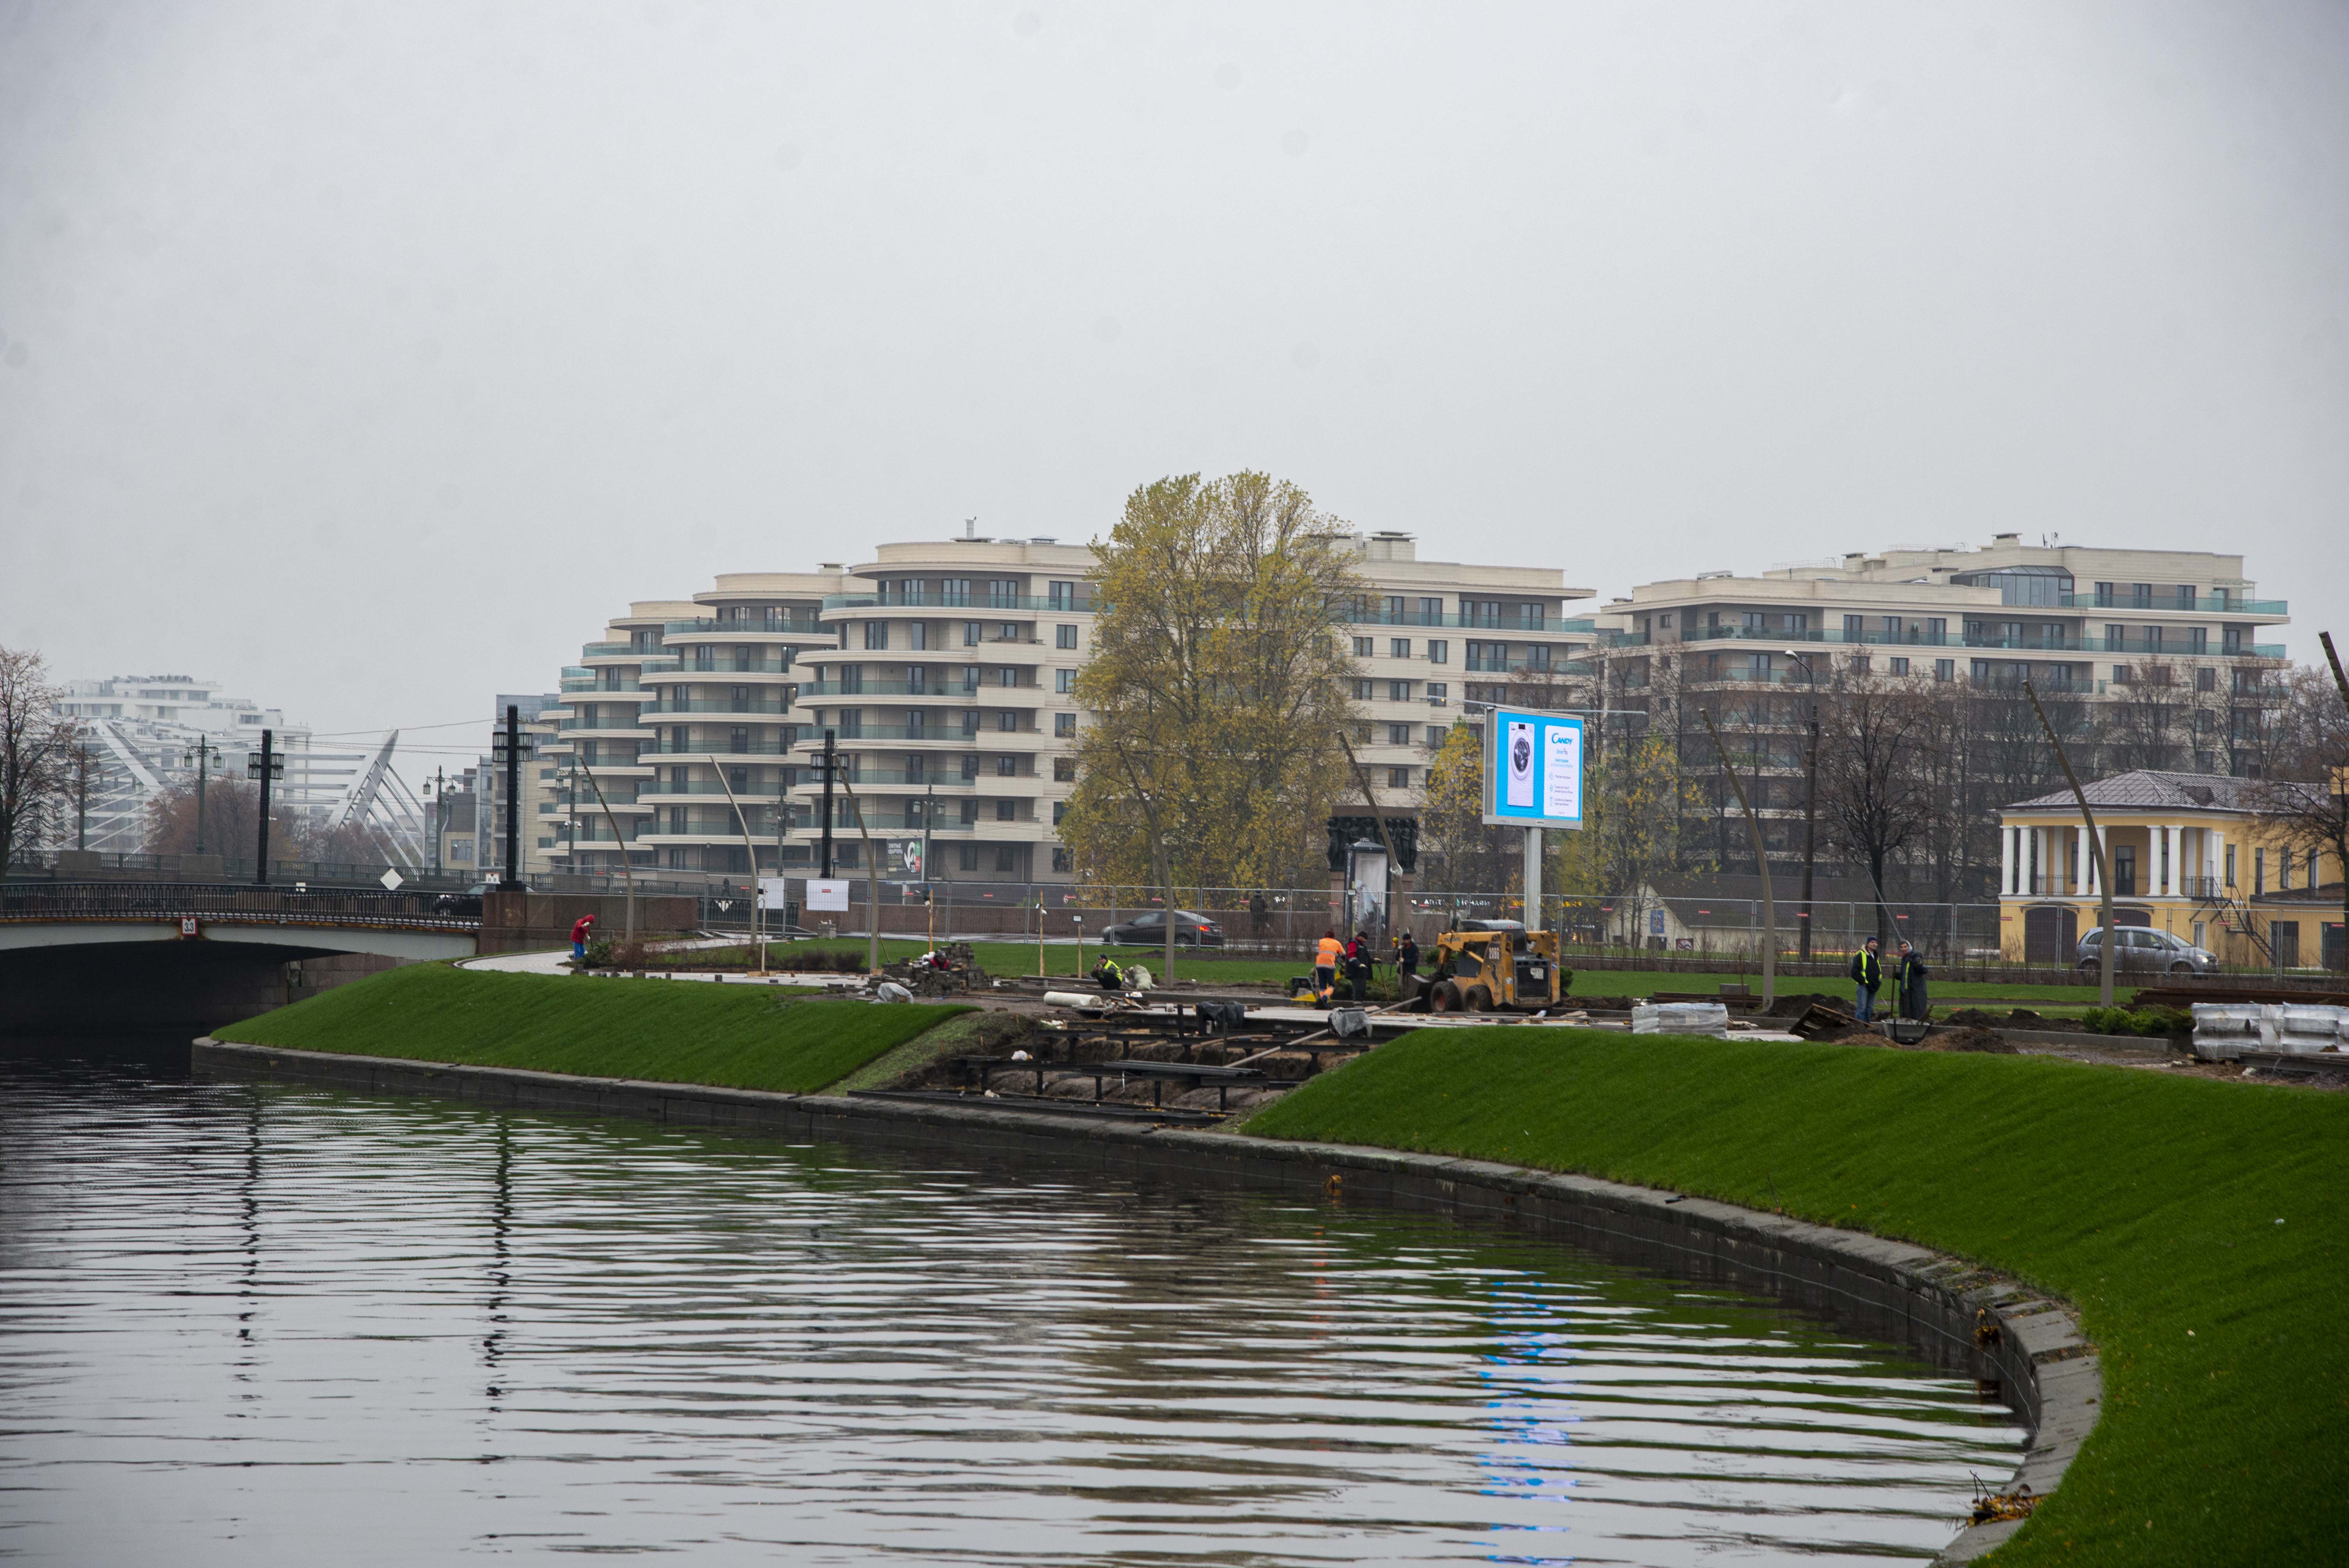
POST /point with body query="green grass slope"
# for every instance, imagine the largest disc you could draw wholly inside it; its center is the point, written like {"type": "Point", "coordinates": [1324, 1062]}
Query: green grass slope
{"type": "Point", "coordinates": [737, 1036]}
{"type": "Point", "coordinates": [2153, 1202]}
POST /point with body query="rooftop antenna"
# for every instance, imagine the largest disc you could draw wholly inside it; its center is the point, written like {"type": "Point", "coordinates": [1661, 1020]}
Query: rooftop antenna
{"type": "Point", "coordinates": [970, 528]}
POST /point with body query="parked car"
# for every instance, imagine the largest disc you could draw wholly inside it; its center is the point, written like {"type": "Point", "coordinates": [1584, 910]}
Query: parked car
{"type": "Point", "coordinates": [1149, 930]}
{"type": "Point", "coordinates": [2144, 948]}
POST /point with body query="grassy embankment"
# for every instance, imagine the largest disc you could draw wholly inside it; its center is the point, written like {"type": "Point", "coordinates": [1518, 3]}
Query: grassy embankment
{"type": "Point", "coordinates": [2196, 1225]}
{"type": "Point", "coordinates": [738, 1036]}
{"type": "Point", "coordinates": [1020, 958]}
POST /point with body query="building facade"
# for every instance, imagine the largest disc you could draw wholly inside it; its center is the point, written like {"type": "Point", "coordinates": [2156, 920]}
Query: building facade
{"type": "Point", "coordinates": [2163, 659]}
{"type": "Point", "coordinates": [2190, 856]}
{"type": "Point", "coordinates": [943, 673]}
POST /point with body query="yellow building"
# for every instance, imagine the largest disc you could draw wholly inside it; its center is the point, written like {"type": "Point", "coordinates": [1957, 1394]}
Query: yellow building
{"type": "Point", "coordinates": [2189, 857]}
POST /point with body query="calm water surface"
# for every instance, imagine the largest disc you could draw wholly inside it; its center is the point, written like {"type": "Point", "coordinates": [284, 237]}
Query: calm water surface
{"type": "Point", "coordinates": [252, 1325]}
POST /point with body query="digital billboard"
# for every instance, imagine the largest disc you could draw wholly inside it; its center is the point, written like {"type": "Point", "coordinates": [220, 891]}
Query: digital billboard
{"type": "Point", "coordinates": [1533, 768]}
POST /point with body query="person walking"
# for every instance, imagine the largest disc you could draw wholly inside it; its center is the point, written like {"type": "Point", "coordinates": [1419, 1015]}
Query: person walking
{"type": "Point", "coordinates": [1908, 977]}
{"type": "Point", "coordinates": [581, 929]}
{"type": "Point", "coordinates": [1259, 915]}
{"type": "Point", "coordinates": [1867, 977]}
{"type": "Point", "coordinates": [1326, 955]}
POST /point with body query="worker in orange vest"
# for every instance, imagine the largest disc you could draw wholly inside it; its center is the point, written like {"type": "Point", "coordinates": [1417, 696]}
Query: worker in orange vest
{"type": "Point", "coordinates": [1326, 955]}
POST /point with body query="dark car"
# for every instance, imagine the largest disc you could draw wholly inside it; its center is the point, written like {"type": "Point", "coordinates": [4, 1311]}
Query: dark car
{"type": "Point", "coordinates": [2142, 947]}
{"type": "Point", "coordinates": [1150, 931]}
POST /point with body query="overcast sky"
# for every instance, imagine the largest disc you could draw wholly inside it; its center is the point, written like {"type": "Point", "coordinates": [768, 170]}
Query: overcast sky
{"type": "Point", "coordinates": [367, 356]}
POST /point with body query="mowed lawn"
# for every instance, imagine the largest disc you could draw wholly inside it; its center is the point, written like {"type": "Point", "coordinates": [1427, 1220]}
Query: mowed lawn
{"type": "Point", "coordinates": [2198, 1225]}
{"type": "Point", "coordinates": [737, 1036]}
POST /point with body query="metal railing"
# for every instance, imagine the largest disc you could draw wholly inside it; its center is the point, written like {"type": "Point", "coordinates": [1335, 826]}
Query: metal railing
{"type": "Point", "coordinates": [30, 902]}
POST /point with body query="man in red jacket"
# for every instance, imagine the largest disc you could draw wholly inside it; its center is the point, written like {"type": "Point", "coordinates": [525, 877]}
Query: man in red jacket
{"type": "Point", "coordinates": [579, 929]}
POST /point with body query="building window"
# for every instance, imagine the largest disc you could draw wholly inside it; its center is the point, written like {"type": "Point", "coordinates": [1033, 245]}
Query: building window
{"type": "Point", "coordinates": [970, 634]}
{"type": "Point", "coordinates": [969, 810]}
{"type": "Point", "coordinates": [1861, 664]}
{"type": "Point", "coordinates": [877, 634]}
{"type": "Point", "coordinates": [1062, 596]}
{"type": "Point", "coordinates": [2197, 639]}
{"type": "Point", "coordinates": [1435, 736]}
{"type": "Point", "coordinates": [2283, 871]}
{"type": "Point", "coordinates": [851, 678]}
{"type": "Point", "coordinates": [1945, 669]}
{"type": "Point", "coordinates": [1062, 637]}
{"type": "Point", "coordinates": [1007, 721]}
{"type": "Point", "coordinates": [1064, 681]}
{"type": "Point", "coordinates": [2231, 865]}
{"type": "Point", "coordinates": [2120, 674]}
{"type": "Point", "coordinates": [1398, 734]}
{"type": "Point", "coordinates": [1439, 651]}
{"type": "Point", "coordinates": [1064, 725]}
{"type": "Point", "coordinates": [1899, 666]}
{"type": "Point", "coordinates": [1061, 861]}
{"type": "Point", "coordinates": [1431, 612]}
{"type": "Point", "coordinates": [1006, 857]}
{"type": "Point", "coordinates": [1007, 766]}
{"type": "Point", "coordinates": [1363, 691]}
{"type": "Point", "coordinates": [1003, 593]}
{"type": "Point", "coordinates": [1004, 810]}
{"type": "Point", "coordinates": [1060, 810]}
{"type": "Point", "coordinates": [918, 634]}
{"type": "Point", "coordinates": [1398, 777]}
{"type": "Point", "coordinates": [1488, 656]}
{"type": "Point", "coordinates": [1439, 691]}
{"type": "Point", "coordinates": [1398, 691]}
{"type": "Point", "coordinates": [1537, 657]}
{"type": "Point", "coordinates": [2259, 873]}
{"type": "Point", "coordinates": [967, 857]}
{"type": "Point", "coordinates": [1364, 648]}
{"type": "Point", "coordinates": [1064, 770]}
{"type": "Point", "coordinates": [2206, 679]}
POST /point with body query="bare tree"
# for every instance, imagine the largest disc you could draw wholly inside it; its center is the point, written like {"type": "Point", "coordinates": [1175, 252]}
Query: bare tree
{"type": "Point", "coordinates": [2150, 725]}
{"type": "Point", "coordinates": [231, 816]}
{"type": "Point", "coordinates": [2307, 808]}
{"type": "Point", "coordinates": [1873, 782]}
{"type": "Point", "coordinates": [37, 748]}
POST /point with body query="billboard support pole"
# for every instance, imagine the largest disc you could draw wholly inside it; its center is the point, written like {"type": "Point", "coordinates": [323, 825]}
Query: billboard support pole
{"type": "Point", "coordinates": [1761, 865]}
{"type": "Point", "coordinates": [1533, 878]}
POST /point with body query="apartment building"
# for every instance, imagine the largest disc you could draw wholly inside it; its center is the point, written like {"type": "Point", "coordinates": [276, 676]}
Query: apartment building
{"type": "Point", "coordinates": [2156, 656]}
{"type": "Point", "coordinates": [143, 733]}
{"type": "Point", "coordinates": [944, 672]}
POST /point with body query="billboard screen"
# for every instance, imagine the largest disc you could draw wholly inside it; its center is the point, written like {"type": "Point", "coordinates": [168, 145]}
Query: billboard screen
{"type": "Point", "coordinates": [1533, 768]}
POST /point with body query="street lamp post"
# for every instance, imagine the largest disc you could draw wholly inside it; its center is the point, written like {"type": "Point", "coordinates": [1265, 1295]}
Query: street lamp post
{"type": "Point", "coordinates": [265, 765]}
{"type": "Point", "coordinates": [203, 755]}
{"type": "Point", "coordinates": [1810, 802]}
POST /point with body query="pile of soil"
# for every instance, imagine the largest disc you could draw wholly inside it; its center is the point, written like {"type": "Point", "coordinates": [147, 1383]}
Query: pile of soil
{"type": "Point", "coordinates": [1794, 1006]}
{"type": "Point", "coordinates": [1974, 1018]}
{"type": "Point", "coordinates": [1969, 1038]}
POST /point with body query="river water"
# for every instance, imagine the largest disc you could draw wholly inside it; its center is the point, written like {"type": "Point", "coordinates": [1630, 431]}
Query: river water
{"type": "Point", "coordinates": [253, 1326]}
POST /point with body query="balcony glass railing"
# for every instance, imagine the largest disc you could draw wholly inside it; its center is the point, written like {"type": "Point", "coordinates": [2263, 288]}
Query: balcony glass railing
{"type": "Point", "coordinates": [904, 688]}
{"type": "Point", "coordinates": [587, 683]}
{"type": "Point", "coordinates": [935, 734]}
{"type": "Point", "coordinates": [973, 606]}
{"type": "Point", "coordinates": [690, 668]}
{"type": "Point", "coordinates": [603, 723]}
{"type": "Point", "coordinates": [805, 625]}
{"type": "Point", "coordinates": [2202, 604]}
{"type": "Point", "coordinates": [720, 745]}
{"type": "Point", "coordinates": [715, 705]}
{"type": "Point", "coordinates": [2037, 642]}
{"type": "Point", "coordinates": [887, 780]}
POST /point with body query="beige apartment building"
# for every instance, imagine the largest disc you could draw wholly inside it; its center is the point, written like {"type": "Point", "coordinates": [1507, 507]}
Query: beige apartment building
{"type": "Point", "coordinates": [943, 672]}
{"type": "Point", "coordinates": [2159, 654]}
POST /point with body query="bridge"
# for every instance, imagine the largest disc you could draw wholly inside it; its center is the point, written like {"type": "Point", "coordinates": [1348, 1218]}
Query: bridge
{"type": "Point", "coordinates": [82, 955]}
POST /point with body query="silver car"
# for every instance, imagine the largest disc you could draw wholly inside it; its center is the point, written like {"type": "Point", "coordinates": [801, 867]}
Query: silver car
{"type": "Point", "coordinates": [2144, 948]}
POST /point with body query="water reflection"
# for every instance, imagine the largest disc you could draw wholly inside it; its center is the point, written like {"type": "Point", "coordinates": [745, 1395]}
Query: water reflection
{"type": "Point", "coordinates": [248, 1325]}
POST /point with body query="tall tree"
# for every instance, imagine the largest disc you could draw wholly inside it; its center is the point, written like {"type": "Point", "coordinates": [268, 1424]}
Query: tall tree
{"type": "Point", "coordinates": [2307, 808]}
{"type": "Point", "coordinates": [231, 816]}
{"type": "Point", "coordinates": [1873, 782]}
{"type": "Point", "coordinates": [37, 748]}
{"type": "Point", "coordinates": [1458, 853]}
{"type": "Point", "coordinates": [1217, 685]}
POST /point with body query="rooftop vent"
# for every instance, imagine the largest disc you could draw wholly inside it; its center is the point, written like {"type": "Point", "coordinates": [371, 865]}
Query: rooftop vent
{"type": "Point", "coordinates": [1708, 576]}
{"type": "Point", "coordinates": [2006, 539]}
{"type": "Point", "coordinates": [828, 566]}
{"type": "Point", "coordinates": [1043, 538]}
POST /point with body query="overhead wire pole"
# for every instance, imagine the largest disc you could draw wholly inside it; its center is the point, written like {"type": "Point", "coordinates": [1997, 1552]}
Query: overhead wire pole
{"type": "Point", "coordinates": [1761, 864]}
{"type": "Point", "coordinates": [872, 885]}
{"type": "Point", "coordinates": [1810, 806]}
{"type": "Point", "coordinates": [2099, 853]}
{"type": "Point", "coordinates": [268, 765]}
{"type": "Point", "coordinates": [511, 743]}
{"type": "Point", "coordinates": [757, 951]}
{"type": "Point", "coordinates": [627, 873]}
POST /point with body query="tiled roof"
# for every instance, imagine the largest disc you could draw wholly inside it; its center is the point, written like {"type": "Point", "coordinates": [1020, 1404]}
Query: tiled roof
{"type": "Point", "coordinates": [2148, 790]}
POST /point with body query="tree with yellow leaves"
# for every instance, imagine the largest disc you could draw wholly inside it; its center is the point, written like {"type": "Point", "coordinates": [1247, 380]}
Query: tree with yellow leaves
{"type": "Point", "coordinates": [1218, 687]}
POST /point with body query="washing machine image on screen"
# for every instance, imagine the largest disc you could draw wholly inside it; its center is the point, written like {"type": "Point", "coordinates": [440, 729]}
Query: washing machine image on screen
{"type": "Point", "coordinates": [1521, 762]}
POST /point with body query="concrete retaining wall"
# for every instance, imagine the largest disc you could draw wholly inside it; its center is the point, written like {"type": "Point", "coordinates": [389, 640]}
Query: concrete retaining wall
{"type": "Point", "coordinates": [1960, 1317]}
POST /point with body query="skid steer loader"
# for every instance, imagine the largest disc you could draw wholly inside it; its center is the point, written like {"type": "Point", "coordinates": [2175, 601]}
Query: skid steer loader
{"type": "Point", "coordinates": [1502, 968]}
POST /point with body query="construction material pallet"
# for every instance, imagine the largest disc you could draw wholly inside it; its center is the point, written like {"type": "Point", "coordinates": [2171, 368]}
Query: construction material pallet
{"type": "Point", "coordinates": [1102, 1111]}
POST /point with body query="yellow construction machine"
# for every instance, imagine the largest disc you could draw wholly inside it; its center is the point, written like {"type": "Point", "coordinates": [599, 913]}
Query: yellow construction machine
{"type": "Point", "coordinates": [1497, 966]}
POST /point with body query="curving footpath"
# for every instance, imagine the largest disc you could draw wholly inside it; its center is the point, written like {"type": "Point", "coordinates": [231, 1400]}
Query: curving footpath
{"type": "Point", "coordinates": [1958, 1316]}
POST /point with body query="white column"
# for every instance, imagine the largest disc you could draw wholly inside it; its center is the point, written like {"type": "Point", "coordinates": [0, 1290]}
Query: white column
{"type": "Point", "coordinates": [2006, 859]}
{"type": "Point", "coordinates": [2218, 838]}
{"type": "Point", "coordinates": [2177, 888]}
{"type": "Point", "coordinates": [2080, 861]}
{"type": "Point", "coordinates": [2096, 862]}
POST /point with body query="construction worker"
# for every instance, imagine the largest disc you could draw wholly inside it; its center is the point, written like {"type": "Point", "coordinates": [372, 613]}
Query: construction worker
{"type": "Point", "coordinates": [1867, 977]}
{"type": "Point", "coordinates": [1908, 976]}
{"type": "Point", "coordinates": [1110, 976]}
{"type": "Point", "coordinates": [1327, 953]}
{"type": "Point", "coordinates": [581, 929]}
{"type": "Point", "coordinates": [1407, 955]}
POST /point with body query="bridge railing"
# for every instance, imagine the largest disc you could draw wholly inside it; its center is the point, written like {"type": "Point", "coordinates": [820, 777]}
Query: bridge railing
{"type": "Point", "coordinates": [70, 900]}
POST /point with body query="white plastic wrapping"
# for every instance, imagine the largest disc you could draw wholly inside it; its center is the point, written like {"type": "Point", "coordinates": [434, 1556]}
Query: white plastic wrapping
{"type": "Point", "coordinates": [1681, 1018]}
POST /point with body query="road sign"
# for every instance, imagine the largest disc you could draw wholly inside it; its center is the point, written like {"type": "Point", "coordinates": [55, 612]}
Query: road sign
{"type": "Point", "coordinates": [391, 881]}
{"type": "Point", "coordinates": [1533, 768]}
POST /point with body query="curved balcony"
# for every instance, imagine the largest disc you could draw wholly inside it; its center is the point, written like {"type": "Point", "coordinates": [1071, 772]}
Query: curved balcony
{"type": "Point", "coordinates": [718, 747]}
{"type": "Point", "coordinates": [966, 606]}
{"type": "Point", "coordinates": [709, 630]}
{"type": "Point", "coordinates": [768, 712]}
{"type": "Point", "coordinates": [722, 668]}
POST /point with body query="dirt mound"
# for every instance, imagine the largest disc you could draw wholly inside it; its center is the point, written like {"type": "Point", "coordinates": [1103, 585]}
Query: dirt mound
{"type": "Point", "coordinates": [1794, 1006]}
{"type": "Point", "coordinates": [1968, 1037]}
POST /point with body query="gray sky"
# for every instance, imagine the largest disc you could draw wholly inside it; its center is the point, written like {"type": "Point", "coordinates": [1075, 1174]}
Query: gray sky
{"type": "Point", "coordinates": [367, 356]}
